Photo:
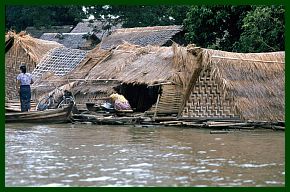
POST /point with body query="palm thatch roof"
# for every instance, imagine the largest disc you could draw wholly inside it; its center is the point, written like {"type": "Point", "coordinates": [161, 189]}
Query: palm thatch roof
{"type": "Point", "coordinates": [102, 70]}
{"type": "Point", "coordinates": [252, 83]}
{"type": "Point", "coordinates": [144, 65]}
{"type": "Point", "coordinates": [35, 48]}
{"type": "Point", "coordinates": [143, 36]}
{"type": "Point", "coordinates": [87, 26]}
{"type": "Point", "coordinates": [208, 83]}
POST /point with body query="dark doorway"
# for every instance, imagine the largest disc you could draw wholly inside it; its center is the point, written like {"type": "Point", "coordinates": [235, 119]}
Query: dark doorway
{"type": "Point", "coordinates": [140, 96]}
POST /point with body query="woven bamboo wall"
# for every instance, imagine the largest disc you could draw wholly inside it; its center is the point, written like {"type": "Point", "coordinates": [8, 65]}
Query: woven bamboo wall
{"type": "Point", "coordinates": [207, 100]}
{"type": "Point", "coordinates": [13, 59]}
{"type": "Point", "coordinates": [169, 101]}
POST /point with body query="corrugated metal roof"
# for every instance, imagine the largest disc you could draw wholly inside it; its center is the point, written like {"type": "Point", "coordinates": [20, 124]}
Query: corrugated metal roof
{"type": "Point", "coordinates": [93, 27]}
{"type": "Point", "coordinates": [69, 40]}
{"type": "Point", "coordinates": [157, 35]}
{"type": "Point", "coordinates": [37, 32]}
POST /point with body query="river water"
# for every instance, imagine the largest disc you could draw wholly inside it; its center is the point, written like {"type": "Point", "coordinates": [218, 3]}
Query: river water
{"type": "Point", "coordinates": [101, 155]}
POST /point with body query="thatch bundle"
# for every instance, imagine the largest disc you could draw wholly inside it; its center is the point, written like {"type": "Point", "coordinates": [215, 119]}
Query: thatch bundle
{"type": "Point", "coordinates": [35, 48]}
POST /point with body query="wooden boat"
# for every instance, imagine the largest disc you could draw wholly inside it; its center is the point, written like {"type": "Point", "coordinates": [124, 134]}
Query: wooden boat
{"type": "Point", "coordinates": [59, 115]}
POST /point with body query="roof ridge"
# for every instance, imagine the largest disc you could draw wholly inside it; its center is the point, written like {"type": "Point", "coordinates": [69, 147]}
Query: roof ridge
{"type": "Point", "coordinates": [151, 28]}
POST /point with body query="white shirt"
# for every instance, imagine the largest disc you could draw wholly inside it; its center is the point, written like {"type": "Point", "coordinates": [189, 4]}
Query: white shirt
{"type": "Point", "coordinates": [25, 79]}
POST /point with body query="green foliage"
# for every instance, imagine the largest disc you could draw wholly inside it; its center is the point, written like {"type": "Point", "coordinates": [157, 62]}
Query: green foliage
{"type": "Point", "coordinates": [236, 28]}
{"type": "Point", "coordinates": [263, 30]}
{"type": "Point", "coordinates": [231, 28]}
{"type": "Point", "coordinates": [20, 17]}
{"type": "Point", "coordinates": [141, 15]}
{"type": "Point", "coordinates": [216, 27]}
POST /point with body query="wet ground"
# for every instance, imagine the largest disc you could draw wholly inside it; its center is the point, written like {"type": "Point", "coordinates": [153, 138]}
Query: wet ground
{"type": "Point", "coordinates": [99, 155]}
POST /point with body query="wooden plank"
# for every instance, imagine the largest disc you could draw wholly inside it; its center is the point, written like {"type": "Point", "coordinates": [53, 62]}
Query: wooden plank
{"type": "Point", "coordinates": [226, 124]}
{"type": "Point", "coordinates": [275, 127]}
{"type": "Point", "coordinates": [219, 132]}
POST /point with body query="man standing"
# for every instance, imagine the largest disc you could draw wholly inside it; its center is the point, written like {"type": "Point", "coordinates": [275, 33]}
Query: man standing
{"type": "Point", "coordinates": [23, 82]}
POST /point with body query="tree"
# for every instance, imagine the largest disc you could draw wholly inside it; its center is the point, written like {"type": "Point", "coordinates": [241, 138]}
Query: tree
{"type": "Point", "coordinates": [135, 16]}
{"type": "Point", "coordinates": [216, 27]}
{"type": "Point", "coordinates": [236, 28]}
{"type": "Point", "coordinates": [20, 17]}
{"type": "Point", "coordinates": [140, 15]}
{"type": "Point", "coordinates": [263, 30]}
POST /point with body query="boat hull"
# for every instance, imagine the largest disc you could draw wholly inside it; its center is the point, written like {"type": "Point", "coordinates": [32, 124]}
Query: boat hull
{"type": "Point", "coordinates": [60, 115]}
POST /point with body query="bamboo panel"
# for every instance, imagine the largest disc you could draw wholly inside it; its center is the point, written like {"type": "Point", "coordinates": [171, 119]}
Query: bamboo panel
{"type": "Point", "coordinates": [207, 101]}
{"type": "Point", "coordinates": [170, 100]}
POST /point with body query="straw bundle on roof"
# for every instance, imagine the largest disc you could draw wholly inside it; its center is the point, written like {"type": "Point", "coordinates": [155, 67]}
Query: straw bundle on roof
{"type": "Point", "coordinates": [35, 48]}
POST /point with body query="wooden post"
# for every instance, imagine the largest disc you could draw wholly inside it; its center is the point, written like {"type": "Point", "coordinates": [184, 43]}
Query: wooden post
{"type": "Point", "coordinates": [156, 106]}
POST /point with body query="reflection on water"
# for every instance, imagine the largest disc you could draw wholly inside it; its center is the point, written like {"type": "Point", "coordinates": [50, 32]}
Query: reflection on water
{"type": "Point", "coordinates": [98, 155]}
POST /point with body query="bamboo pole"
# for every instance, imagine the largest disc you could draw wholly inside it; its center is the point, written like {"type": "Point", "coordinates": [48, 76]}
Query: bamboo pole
{"type": "Point", "coordinates": [80, 80]}
{"type": "Point", "coordinates": [253, 60]}
{"type": "Point", "coordinates": [155, 112]}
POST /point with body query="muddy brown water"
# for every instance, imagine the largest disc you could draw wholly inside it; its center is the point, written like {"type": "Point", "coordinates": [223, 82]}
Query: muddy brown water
{"type": "Point", "coordinates": [102, 155]}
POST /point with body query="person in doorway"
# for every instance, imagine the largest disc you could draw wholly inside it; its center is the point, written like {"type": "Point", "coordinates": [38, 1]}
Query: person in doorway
{"type": "Point", "coordinates": [24, 80]}
{"type": "Point", "coordinates": [120, 102]}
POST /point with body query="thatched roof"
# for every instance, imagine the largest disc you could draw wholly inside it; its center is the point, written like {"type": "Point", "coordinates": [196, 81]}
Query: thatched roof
{"type": "Point", "coordinates": [131, 64]}
{"type": "Point", "coordinates": [60, 61]}
{"type": "Point", "coordinates": [255, 81]}
{"type": "Point", "coordinates": [37, 32]}
{"type": "Point", "coordinates": [143, 36]}
{"type": "Point", "coordinates": [134, 64]}
{"type": "Point", "coordinates": [139, 65]}
{"type": "Point", "coordinates": [35, 48]}
{"type": "Point", "coordinates": [69, 40]}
